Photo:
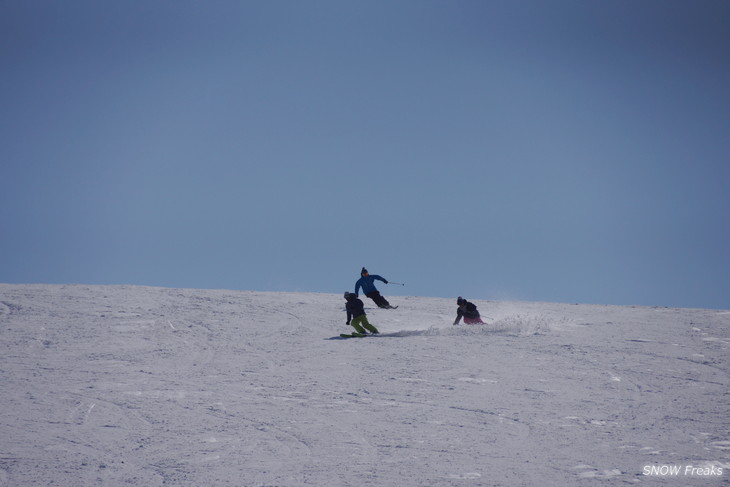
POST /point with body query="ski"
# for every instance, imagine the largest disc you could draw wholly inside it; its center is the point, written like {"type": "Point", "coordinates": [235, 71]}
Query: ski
{"type": "Point", "coordinates": [352, 335]}
{"type": "Point", "coordinates": [344, 336]}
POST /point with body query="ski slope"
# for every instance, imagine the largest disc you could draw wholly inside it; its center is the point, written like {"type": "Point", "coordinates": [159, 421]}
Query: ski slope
{"type": "Point", "coordinates": [139, 386]}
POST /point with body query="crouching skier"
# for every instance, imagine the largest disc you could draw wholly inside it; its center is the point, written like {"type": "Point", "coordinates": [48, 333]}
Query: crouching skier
{"type": "Point", "coordinates": [356, 316]}
{"type": "Point", "coordinates": [468, 311]}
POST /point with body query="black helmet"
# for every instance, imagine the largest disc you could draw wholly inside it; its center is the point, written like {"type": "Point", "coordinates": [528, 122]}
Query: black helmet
{"type": "Point", "coordinates": [363, 271]}
{"type": "Point", "coordinates": [460, 300]}
{"type": "Point", "coordinates": [348, 295]}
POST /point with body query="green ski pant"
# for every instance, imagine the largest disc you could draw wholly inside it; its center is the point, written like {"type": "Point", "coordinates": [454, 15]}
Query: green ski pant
{"type": "Point", "coordinates": [360, 322]}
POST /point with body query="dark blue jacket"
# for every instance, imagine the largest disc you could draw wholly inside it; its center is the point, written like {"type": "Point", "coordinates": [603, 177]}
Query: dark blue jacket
{"type": "Point", "coordinates": [367, 285]}
{"type": "Point", "coordinates": [354, 308]}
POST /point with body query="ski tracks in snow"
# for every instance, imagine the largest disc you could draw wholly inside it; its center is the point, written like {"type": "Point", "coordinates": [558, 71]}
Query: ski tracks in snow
{"type": "Point", "coordinates": [148, 386]}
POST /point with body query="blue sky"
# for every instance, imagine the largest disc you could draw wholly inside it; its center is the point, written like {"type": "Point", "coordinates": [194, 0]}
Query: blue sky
{"type": "Point", "coordinates": [571, 151]}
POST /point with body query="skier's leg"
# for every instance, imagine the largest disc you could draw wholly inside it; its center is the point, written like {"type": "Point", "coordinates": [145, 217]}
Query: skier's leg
{"type": "Point", "coordinates": [379, 300]}
{"type": "Point", "coordinates": [355, 323]}
{"type": "Point", "coordinates": [478, 319]}
{"type": "Point", "coordinates": [366, 324]}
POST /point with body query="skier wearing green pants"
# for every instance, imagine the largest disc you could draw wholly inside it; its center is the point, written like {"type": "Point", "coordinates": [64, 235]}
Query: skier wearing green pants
{"type": "Point", "coordinates": [356, 316]}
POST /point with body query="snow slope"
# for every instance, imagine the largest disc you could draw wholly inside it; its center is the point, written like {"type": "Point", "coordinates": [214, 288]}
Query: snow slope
{"type": "Point", "coordinates": [120, 385]}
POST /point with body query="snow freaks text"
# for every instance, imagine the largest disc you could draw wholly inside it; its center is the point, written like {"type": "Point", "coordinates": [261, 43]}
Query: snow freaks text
{"type": "Point", "coordinates": [682, 471]}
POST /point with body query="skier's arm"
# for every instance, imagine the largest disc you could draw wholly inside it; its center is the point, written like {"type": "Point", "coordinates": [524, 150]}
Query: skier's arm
{"type": "Point", "coordinates": [357, 286]}
{"type": "Point", "coordinates": [459, 314]}
{"type": "Point", "coordinates": [380, 279]}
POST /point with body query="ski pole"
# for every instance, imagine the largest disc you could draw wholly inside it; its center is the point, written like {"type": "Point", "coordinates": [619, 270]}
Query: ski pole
{"type": "Point", "coordinates": [398, 283]}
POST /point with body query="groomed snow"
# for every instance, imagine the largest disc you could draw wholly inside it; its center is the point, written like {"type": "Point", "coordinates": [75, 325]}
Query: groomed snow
{"type": "Point", "coordinates": [122, 385]}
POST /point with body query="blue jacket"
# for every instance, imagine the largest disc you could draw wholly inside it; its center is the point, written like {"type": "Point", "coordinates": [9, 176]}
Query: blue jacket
{"type": "Point", "coordinates": [367, 285]}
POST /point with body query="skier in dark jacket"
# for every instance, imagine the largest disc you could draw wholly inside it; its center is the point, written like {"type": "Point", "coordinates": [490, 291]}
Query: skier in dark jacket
{"type": "Point", "coordinates": [356, 316]}
{"type": "Point", "coordinates": [367, 283]}
{"type": "Point", "coordinates": [468, 311]}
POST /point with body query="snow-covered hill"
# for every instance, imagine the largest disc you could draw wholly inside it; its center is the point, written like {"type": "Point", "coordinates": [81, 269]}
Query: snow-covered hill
{"type": "Point", "coordinates": [119, 385]}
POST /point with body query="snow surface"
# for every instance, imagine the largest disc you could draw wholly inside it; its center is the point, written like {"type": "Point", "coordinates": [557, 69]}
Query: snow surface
{"type": "Point", "coordinates": [122, 385]}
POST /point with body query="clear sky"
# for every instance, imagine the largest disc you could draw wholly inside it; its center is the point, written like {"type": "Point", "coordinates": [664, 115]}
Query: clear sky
{"type": "Point", "coordinates": [571, 151]}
